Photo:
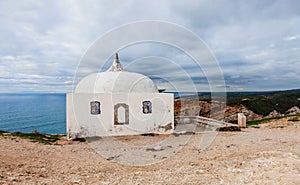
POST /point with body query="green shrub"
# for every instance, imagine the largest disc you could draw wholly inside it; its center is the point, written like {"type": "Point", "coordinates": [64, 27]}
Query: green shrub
{"type": "Point", "coordinates": [294, 119]}
{"type": "Point", "coordinates": [37, 137]}
{"type": "Point", "coordinates": [265, 120]}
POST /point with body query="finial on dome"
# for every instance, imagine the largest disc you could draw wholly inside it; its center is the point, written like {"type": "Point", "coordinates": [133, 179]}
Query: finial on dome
{"type": "Point", "coordinates": [116, 65]}
{"type": "Point", "coordinates": [117, 57]}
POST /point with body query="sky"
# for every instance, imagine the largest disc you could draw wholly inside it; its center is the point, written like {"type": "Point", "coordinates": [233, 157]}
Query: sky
{"type": "Point", "coordinates": [256, 43]}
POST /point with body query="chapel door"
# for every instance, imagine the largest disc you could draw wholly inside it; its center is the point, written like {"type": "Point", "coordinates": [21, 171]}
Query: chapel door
{"type": "Point", "coordinates": [121, 114]}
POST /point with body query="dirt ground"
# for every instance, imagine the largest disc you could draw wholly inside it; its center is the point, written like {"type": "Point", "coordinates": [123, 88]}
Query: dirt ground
{"type": "Point", "coordinates": [269, 154]}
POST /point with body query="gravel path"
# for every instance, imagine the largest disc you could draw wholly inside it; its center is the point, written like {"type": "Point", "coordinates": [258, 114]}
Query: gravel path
{"type": "Point", "coordinates": [266, 155]}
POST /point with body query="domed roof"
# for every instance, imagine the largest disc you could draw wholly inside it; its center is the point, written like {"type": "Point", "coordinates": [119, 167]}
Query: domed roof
{"type": "Point", "coordinates": [116, 80]}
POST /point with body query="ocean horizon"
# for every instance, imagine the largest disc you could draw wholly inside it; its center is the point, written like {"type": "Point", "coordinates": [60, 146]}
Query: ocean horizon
{"type": "Point", "coordinates": [27, 112]}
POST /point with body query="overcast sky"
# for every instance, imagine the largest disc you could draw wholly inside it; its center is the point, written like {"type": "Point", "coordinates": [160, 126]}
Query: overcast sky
{"type": "Point", "coordinates": [256, 43]}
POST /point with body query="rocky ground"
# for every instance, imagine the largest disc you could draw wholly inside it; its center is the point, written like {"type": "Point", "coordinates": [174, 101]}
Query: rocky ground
{"type": "Point", "coordinates": [267, 154]}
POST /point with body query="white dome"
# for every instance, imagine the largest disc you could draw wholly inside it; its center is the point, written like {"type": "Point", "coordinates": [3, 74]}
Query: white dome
{"type": "Point", "coordinates": [116, 82]}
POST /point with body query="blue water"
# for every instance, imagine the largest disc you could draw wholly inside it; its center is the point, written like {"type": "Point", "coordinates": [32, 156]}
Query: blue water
{"type": "Point", "coordinates": [45, 113]}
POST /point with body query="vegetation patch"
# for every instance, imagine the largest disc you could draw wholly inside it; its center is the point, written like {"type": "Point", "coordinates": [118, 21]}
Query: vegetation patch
{"type": "Point", "coordinates": [2, 132]}
{"type": "Point", "coordinates": [35, 136]}
{"type": "Point", "coordinates": [294, 119]}
{"type": "Point", "coordinates": [149, 134]}
{"type": "Point", "coordinates": [263, 103]}
{"type": "Point", "coordinates": [80, 139]}
{"type": "Point", "coordinates": [230, 129]}
{"type": "Point", "coordinates": [265, 120]}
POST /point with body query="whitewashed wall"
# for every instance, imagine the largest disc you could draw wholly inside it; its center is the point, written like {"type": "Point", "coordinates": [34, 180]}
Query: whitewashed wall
{"type": "Point", "coordinates": [81, 123]}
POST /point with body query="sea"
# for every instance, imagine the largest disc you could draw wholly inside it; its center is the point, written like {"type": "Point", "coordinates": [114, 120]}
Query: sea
{"type": "Point", "coordinates": [28, 112]}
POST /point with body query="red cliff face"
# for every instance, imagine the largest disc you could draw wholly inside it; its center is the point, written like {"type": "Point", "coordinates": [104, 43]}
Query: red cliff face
{"type": "Point", "coordinates": [254, 106]}
{"type": "Point", "coordinates": [191, 108]}
{"type": "Point", "coordinates": [183, 107]}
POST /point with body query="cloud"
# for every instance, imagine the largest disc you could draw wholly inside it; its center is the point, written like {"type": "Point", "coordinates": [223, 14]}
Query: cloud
{"type": "Point", "coordinates": [291, 38]}
{"type": "Point", "coordinates": [255, 43]}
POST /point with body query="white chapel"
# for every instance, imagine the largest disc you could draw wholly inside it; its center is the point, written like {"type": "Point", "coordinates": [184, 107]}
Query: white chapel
{"type": "Point", "coordinates": [117, 102]}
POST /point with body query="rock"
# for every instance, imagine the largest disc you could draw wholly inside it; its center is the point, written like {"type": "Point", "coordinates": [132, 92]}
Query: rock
{"type": "Point", "coordinates": [158, 148]}
{"type": "Point", "coordinates": [293, 110]}
{"type": "Point", "coordinates": [231, 114]}
{"type": "Point", "coordinates": [200, 171]}
{"type": "Point", "coordinates": [274, 113]}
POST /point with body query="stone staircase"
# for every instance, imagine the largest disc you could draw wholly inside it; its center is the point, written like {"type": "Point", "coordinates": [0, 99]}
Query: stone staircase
{"type": "Point", "coordinates": [199, 124]}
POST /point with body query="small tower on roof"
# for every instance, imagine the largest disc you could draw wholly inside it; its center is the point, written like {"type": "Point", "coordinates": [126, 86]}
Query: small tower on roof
{"type": "Point", "coordinates": [116, 65]}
